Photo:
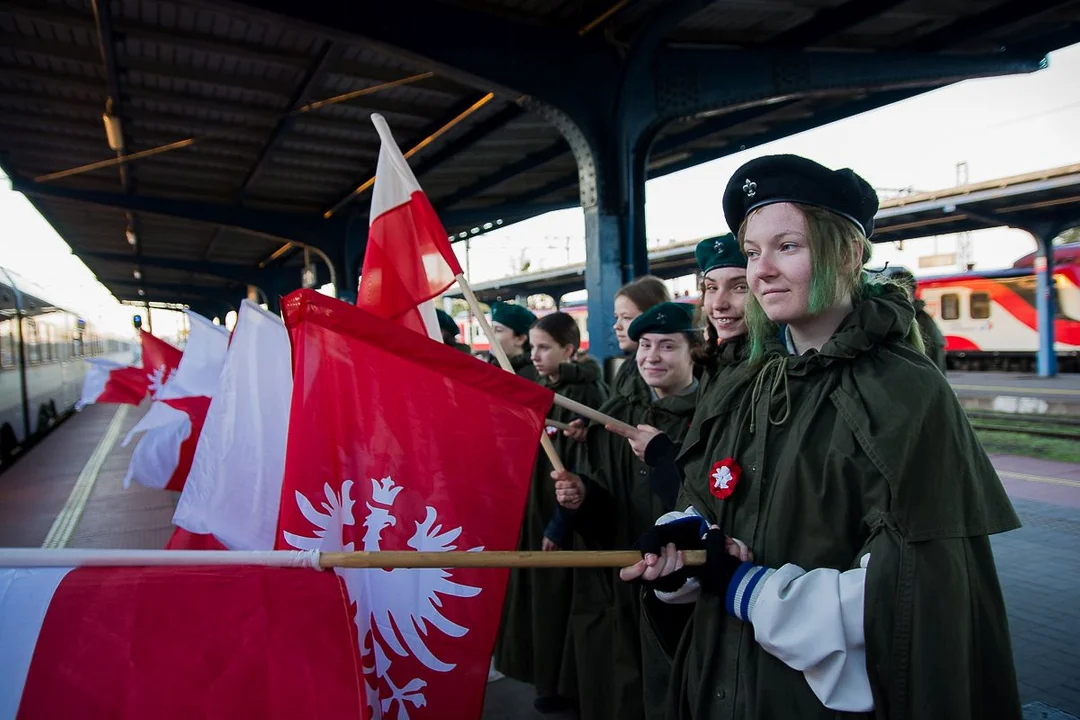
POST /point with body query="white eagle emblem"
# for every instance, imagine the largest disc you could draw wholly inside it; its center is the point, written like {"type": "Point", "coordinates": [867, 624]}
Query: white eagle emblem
{"type": "Point", "coordinates": [722, 477]}
{"type": "Point", "coordinates": [157, 379]}
{"type": "Point", "coordinates": [394, 608]}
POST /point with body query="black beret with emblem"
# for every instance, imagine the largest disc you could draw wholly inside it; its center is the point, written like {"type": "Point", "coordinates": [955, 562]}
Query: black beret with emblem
{"type": "Point", "coordinates": [794, 179]}
{"type": "Point", "coordinates": [719, 252]}
{"type": "Point", "coordinates": [665, 318]}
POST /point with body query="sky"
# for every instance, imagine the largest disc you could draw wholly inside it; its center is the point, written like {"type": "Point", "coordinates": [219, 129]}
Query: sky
{"type": "Point", "coordinates": [998, 126]}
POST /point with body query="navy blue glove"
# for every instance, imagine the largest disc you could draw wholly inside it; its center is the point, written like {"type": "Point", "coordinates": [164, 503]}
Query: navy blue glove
{"type": "Point", "coordinates": [685, 533]}
{"type": "Point", "coordinates": [720, 566]}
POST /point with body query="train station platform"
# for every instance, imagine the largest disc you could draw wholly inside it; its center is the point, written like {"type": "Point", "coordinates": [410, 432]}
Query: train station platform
{"type": "Point", "coordinates": [68, 492]}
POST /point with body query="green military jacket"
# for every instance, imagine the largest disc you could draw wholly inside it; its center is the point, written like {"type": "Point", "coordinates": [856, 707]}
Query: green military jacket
{"type": "Point", "coordinates": [533, 644]}
{"type": "Point", "coordinates": [522, 365]}
{"type": "Point", "coordinates": [859, 448]}
{"type": "Point", "coordinates": [612, 647]}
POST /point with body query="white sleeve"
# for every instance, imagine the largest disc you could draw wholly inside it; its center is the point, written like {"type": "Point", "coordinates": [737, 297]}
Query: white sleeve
{"type": "Point", "coordinates": [813, 622]}
{"type": "Point", "coordinates": [691, 589]}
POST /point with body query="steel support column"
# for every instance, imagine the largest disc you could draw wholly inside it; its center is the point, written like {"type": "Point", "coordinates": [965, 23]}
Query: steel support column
{"type": "Point", "coordinates": [1045, 298]}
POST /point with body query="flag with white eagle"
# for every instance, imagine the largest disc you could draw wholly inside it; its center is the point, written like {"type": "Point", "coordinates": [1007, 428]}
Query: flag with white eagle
{"type": "Point", "coordinates": [400, 443]}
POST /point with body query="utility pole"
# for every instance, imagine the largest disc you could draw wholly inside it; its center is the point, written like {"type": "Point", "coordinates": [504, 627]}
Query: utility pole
{"type": "Point", "coordinates": [963, 240]}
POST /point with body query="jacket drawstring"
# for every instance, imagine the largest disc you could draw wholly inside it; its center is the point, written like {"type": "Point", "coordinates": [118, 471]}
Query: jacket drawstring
{"type": "Point", "coordinates": [778, 366]}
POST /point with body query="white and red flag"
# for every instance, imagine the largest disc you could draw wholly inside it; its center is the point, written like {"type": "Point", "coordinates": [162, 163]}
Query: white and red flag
{"type": "Point", "coordinates": [398, 443]}
{"type": "Point", "coordinates": [408, 259]}
{"type": "Point", "coordinates": [110, 382]}
{"type": "Point", "coordinates": [233, 491]}
{"type": "Point", "coordinates": [173, 424]}
{"type": "Point", "coordinates": [217, 643]}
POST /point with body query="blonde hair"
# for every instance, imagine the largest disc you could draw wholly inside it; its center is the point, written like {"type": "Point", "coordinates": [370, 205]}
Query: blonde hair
{"type": "Point", "coordinates": [838, 250]}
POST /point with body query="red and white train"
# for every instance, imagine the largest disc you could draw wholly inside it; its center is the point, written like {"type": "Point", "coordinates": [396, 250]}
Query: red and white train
{"type": "Point", "coordinates": [988, 318]}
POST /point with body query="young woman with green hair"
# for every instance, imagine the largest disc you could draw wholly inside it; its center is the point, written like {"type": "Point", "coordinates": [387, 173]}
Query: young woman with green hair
{"type": "Point", "coordinates": [847, 510]}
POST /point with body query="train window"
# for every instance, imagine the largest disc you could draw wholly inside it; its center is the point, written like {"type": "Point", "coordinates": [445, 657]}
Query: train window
{"type": "Point", "coordinates": [979, 306]}
{"type": "Point", "coordinates": [950, 306]}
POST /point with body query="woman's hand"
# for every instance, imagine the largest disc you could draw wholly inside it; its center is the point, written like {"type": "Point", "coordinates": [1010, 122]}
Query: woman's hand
{"type": "Point", "coordinates": [547, 545]}
{"type": "Point", "coordinates": [569, 489]}
{"type": "Point", "coordinates": [578, 431]}
{"type": "Point", "coordinates": [639, 438]}
{"type": "Point", "coordinates": [651, 567]}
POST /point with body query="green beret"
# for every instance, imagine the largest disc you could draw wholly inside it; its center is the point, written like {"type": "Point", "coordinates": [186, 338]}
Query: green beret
{"type": "Point", "coordinates": [517, 318]}
{"type": "Point", "coordinates": [666, 318]}
{"type": "Point", "coordinates": [793, 179]}
{"type": "Point", "coordinates": [719, 252]}
{"type": "Point", "coordinates": [446, 323]}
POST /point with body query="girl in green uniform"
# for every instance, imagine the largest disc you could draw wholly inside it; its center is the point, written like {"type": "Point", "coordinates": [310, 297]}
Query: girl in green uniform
{"type": "Point", "coordinates": [533, 645]}
{"type": "Point", "coordinates": [615, 498]}
{"type": "Point", "coordinates": [847, 509]}
{"type": "Point", "coordinates": [634, 298]}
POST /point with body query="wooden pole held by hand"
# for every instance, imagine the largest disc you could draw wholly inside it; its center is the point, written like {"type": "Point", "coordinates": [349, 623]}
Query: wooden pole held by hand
{"type": "Point", "coordinates": [494, 559]}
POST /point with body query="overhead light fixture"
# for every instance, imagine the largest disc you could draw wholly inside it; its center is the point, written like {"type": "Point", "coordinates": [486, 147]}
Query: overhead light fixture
{"type": "Point", "coordinates": [141, 292]}
{"type": "Point", "coordinates": [130, 235]}
{"type": "Point", "coordinates": [137, 274]}
{"type": "Point", "coordinates": [113, 132]}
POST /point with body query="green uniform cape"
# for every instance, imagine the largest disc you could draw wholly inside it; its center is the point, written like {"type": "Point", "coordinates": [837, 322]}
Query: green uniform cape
{"type": "Point", "coordinates": [521, 364]}
{"type": "Point", "coordinates": [611, 644]}
{"type": "Point", "coordinates": [533, 640]}
{"type": "Point", "coordinates": [861, 447]}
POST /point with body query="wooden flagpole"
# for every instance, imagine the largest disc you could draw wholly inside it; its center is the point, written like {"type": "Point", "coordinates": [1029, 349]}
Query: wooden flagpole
{"type": "Point", "coordinates": [504, 361]}
{"type": "Point", "coordinates": [388, 560]}
{"type": "Point", "coordinates": [561, 401]}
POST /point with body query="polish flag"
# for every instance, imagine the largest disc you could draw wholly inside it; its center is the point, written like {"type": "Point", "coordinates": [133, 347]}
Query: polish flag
{"type": "Point", "coordinates": [372, 465]}
{"type": "Point", "coordinates": [233, 490]}
{"type": "Point", "coordinates": [174, 422]}
{"type": "Point", "coordinates": [408, 260]}
{"type": "Point", "coordinates": [127, 643]}
{"type": "Point", "coordinates": [111, 382]}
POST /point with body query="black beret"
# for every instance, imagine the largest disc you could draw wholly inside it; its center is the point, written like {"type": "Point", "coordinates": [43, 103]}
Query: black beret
{"type": "Point", "coordinates": [516, 317]}
{"type": "Point", "coordinates": [793, 179]}
{"type": "Point", "coordinates": [718, 252]}
{"type": "Point", "coordinates": [446, 323]}
{"type": "Point", "coordinates": [666, 318]}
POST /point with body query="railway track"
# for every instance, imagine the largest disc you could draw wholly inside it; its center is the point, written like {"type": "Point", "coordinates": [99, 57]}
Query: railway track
{"type": "Point", "coordinates": [1062, 427]}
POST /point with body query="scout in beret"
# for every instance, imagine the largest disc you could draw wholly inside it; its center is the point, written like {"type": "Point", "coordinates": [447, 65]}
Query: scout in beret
{"type": "Point", "coordinates": [843, 482]}
{"type": "Point", "coordinates": [615, 497]}
{"type": "Point", "coordinates": [511, 323]}
{"type": "Point", "coordinates": [723, 296]}
{"type": "Point", "coordinates": [450, 331]}
{"type": "Point", "coordinates": [667, 318]}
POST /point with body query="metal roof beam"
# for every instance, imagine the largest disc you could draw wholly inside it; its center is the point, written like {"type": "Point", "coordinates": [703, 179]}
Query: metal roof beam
{"type": "Point", "coordinates": [476, 134]}
{"type": "Point", "coordinates": [243, 274]}
{"type": "Point", "coordinates": [470, 44]}
{"type": "Point", "coordinates": [975, 26]}
{"type": "Point", "coordinates": [731, 77]}
{"type": "Point", "coordinates": [527, 163]}
{"type": "Point", "coordinates": [828, 22]}
{"type": "Point", "coordinates": [841, 112]}
{"type": "Point", "coordinates": [297, 227]}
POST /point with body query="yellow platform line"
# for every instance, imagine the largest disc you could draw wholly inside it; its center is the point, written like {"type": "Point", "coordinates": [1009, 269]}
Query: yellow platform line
{"type": "Point", "coordinates": [1021, 392]}
{"type": "Point", "coordinates": [1039, 479]}
{"type": "Point", "coordinates": [64, 526]}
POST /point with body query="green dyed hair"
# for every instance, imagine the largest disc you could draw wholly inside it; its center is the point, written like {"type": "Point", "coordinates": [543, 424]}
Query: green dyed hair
{"type": "Point", "coordinates": [838, 251]}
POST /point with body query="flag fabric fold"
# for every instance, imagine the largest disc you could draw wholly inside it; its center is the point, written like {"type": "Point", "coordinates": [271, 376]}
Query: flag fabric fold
{"type": "Point", "coordinates": [408, 259]}
{"type": "Point", "coordinates": [233, 490]}
{"type": "Point", "coordinates": [110, 382]}
{"type": "Point", "coordinates": [172, 426]}
{"type": "Point", "coordinates": [398, 443]}
{"type": "Point", "coordinates": [207, 642]}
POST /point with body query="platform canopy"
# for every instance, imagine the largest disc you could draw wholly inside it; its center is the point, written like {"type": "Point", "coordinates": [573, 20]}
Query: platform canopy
{"type": "Point", "coordinates": [509, 108]}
